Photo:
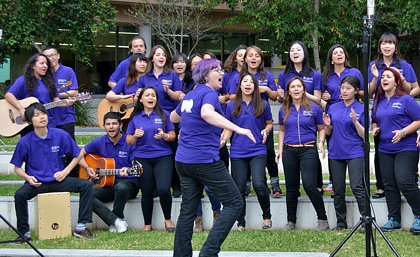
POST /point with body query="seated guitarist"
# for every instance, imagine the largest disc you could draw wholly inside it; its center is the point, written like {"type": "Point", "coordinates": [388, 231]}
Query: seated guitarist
{"type": "Point", "coordinates": [41, 150]}
{"type": "Point", "coordinates": [113, 145]}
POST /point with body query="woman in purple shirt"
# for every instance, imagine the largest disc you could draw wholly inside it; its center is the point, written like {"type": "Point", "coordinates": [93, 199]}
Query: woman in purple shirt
{"type": "Point", "coordinates": [344, 123]}
{"type": "Point", "coordinates": [151, 130]}
{"type": "Point", "coordinates": [38, 81]}
{"type": "Point", "coordinates": [389, 55]}
{"type": "Point", "coordinates": [299, 121]}
{"type": "Point", "coordinates": [249, 110]}
{"type": "Point", "coordinates": [395, 120]}
{"type": "Point", "coordinates": [198, 162]}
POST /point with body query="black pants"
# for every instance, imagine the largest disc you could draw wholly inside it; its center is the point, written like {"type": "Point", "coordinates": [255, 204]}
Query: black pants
{"type": "Point", "coordinates": [157, 175]}
{"type": "Point", "coordinates": [69, 184]}
{"type": "Point", "coordinates": [338, 172]}
{"type": "Point", "coordinates": [378, 175]}
{"type": "Point", "coordinates": [296, 161]}
{"type": "Point", "coordinates": [399, 174]}
{"type": "Point", "coordinates": [272, 167]}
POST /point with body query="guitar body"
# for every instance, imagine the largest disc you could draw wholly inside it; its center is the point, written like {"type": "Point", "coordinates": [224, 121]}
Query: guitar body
{"type": "Point", "coordinates": [97, 162]}
{"type": "Point", "coordinates": [123, 106]}
{"type": "Point", "coordinates": [12, 121]}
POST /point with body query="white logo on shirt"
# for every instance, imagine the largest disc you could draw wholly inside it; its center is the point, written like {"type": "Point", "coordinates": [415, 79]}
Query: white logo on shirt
{"type": "Point", "coordinates": [397, 105]}
{"type": "Point", "coordinates": [307, 113]}
{"type": "Point", "coordinates": [187, 105]}
{"type": "Point", "coordinates": [158, 121]}
{"type": "Point", "coordinates": [55, 148]}
{"type": "Point", "coordinates": [122, 154]}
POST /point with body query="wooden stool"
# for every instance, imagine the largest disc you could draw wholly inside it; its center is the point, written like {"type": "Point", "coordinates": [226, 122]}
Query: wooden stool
{"type": "Point", "coordinates": [52, 216]}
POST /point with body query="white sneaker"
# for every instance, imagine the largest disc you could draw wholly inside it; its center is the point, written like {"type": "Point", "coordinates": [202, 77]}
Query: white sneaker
{"type": "Point", "coordinates": [120, 225]}
{"type": "Point", "coordinates": [329, 188]}
{"type": "Point", "coordinates": [112, 229]}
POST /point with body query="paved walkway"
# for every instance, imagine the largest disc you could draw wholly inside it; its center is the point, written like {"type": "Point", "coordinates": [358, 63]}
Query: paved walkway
{"type": "Point", "coordinates": [121, 253]}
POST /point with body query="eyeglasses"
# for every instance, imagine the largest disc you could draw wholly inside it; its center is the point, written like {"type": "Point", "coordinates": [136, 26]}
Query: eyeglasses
{"type": "Point", "coordinates": [51, 55]}
{"type": "Point", "coordinates": [219, 70]}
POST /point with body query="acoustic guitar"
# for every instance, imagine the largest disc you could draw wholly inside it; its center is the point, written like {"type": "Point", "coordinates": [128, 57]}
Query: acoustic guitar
{"type": "Point", "coordinates": [13, 122]}
{"type": "Point", "coordinates": [105, 168]}
{"type": "Point", "coordinates": [124, 106]}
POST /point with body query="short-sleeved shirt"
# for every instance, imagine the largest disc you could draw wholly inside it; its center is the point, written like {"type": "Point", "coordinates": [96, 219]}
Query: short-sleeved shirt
{"type": "Point", "coordinates": [165, 101]}
{"type": "Point", "coordinates": [121, 70]}
{"type": "Point", "coordinates": [19, 90]}
{"type": "Point", "coordinates": [121, 152]}
{"type": "Point", "coordinates": [312, 82]}
{"type": "Point", "coordinates": [396, 114]}
{"type": "Point", "coordinates": [300, 127]}
{"type": "Point", "coordinates": [404, 68]}
{"type": "Point", "coordinates": [345, 143]}
{"type": "Point", "coordinates": [65, 80]}
{"type": "Point", "coordinates": [122, 88]}
{"type": "Point", "coordinates": [148, 146]}
{"type": "Point", "coordinates": [241, 146]}
{"type": "Point", "coordinates": [199, 141]}
{"type": "Point", "coordinates": [267, 81]}
{"type": "Point", "coordinates": [334, 82]}
{"type": "Point", "coordinates": [44, 157]}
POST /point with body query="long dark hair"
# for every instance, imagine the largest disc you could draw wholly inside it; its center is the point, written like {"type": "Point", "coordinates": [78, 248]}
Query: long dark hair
{"type": "Point", "coordinates": [261, 68]}
{"type": "Point", "coordinates": [133, 74]}
{"type": "Point", "coordinates": [288, 101]}
{"type": "Point", "coordinates": [399, 90]}
{"type": "Point", "coordinates": [306, 68]}
{"type": "Point", "coordinates": [230, 63]}
{"type": "Point", "coordinates": [152, 53]}
{"type": "Point", "coordinates": [329, 66]}
{"type": "Point", "coordinates": [388, 38]}
{"type": "Point", "coordinates": [187, 80]}
{"type": "Point", "coordinates": [258, 104]}
{"type": "Point", "coordinates": [354, 82]}
{"type": "Point", "coordinates": [31, 81]}
{"type": "Point", "coordinates": [140, 107]}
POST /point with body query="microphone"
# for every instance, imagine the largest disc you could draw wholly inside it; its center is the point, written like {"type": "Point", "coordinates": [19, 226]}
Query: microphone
{"type": "Point", "coordinates": [370, 8]}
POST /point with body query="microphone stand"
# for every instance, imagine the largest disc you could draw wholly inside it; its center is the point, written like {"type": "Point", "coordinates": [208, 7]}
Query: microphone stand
{"type": "Point", "coordinates": [367, 220]}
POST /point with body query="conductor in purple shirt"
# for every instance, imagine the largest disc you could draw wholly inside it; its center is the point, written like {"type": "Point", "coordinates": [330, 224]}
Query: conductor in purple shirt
{"type": "Point", "coordinates": [198, 163]}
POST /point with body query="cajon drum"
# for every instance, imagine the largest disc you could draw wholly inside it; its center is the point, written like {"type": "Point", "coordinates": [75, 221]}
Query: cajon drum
{"type": "Point", "coordinates": [52, 215]}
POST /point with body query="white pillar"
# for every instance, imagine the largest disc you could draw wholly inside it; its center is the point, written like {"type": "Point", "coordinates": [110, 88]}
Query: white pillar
{"type": "Point", "coordinates": [146, 33]}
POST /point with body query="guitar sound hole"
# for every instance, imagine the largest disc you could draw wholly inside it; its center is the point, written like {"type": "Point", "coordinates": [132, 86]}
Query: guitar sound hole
{"type": "Point", "coordinates": [123, 108]}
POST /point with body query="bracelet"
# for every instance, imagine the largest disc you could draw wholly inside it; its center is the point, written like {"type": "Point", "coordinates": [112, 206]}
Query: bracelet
{"type": "Point", "coordinates": [404, 133]}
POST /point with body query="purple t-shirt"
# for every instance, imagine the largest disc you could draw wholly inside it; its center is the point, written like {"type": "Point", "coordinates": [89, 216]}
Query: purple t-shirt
{"type": "Point", "coordinates": [345, 143]}
{"type": "Point", "coordinates": [300, 127]}
{"type": "Point", "coordinates": [241, 146]}
{"type": "Point", "coordinates": [334, 82]}
{"type": "Point", "coordinates": [44, 157]}
{"type": "Point", "coordinates": [312, 82]}
{"type": "Point", "coordinates": [165, 101]}
{"type": "Point", "coordinates": [122, 88]}
{"type": "Point", "coordinates": [396, 114]}
{"type": "Point", "coordinates": [405, 69]}
{"type": "Point", "coordinates": [148, 146]}
{"type": "Point", "coordinates": [18, 89]}
{"type": "Point", "coordinates": [227, 79]}
{"type": "Point", "coordinates": [65, 80]}
{"type": "Point", "coordinates": [198, 141]}
{"type": "Point", "coordinates": [121, 152]}
{"type": "Point", "coordinates": [267, 81]}
{"type": "Point", "coordinates": [121, 70]}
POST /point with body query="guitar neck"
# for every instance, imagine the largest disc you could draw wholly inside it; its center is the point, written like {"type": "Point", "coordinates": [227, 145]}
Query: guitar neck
{"type": "Point", "coordinates": [110, 172]}
{"type": "Point", "coordinates": [55, 104]}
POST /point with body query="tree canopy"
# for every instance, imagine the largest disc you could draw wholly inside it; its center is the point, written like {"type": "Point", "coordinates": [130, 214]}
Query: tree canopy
{"type": "Point", "coordinates": [74, 23]}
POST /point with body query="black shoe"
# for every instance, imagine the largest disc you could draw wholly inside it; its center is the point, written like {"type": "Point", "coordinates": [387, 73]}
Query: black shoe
{"type": "Point", "coordinates": [83, 234]}
{"type": "Point", "coordinates": [176, 192]}
{"type": "Point", "coordinates": [21, 240]}
{"type": "Point", "coordinates": [378, 195]}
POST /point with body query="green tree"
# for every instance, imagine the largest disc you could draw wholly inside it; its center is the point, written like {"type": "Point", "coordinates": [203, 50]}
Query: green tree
{"type": "Point", "coordinates": [75, 23]}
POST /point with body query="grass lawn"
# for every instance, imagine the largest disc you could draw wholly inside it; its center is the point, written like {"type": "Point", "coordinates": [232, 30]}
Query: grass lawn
{"type": "Point", "coordinates": [250, 241]}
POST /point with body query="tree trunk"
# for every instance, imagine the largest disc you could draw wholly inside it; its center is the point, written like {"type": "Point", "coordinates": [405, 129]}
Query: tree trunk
{"type": "Point", "coordinates": [315, 42]}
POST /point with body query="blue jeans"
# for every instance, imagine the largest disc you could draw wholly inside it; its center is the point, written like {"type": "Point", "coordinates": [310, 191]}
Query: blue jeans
{"type": "Point", "coordinates": [69, 184]}
{"type": "Point", "coordinates": [297, 160]}
{"type": "Point", "coordinates": [399, 173]}
{"type": "Point", "coordinates": [240, 168]}
{"type": "Point", "coordinates": [215, 204]}
{"type": "Point", "coordinates": [217, 178]}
